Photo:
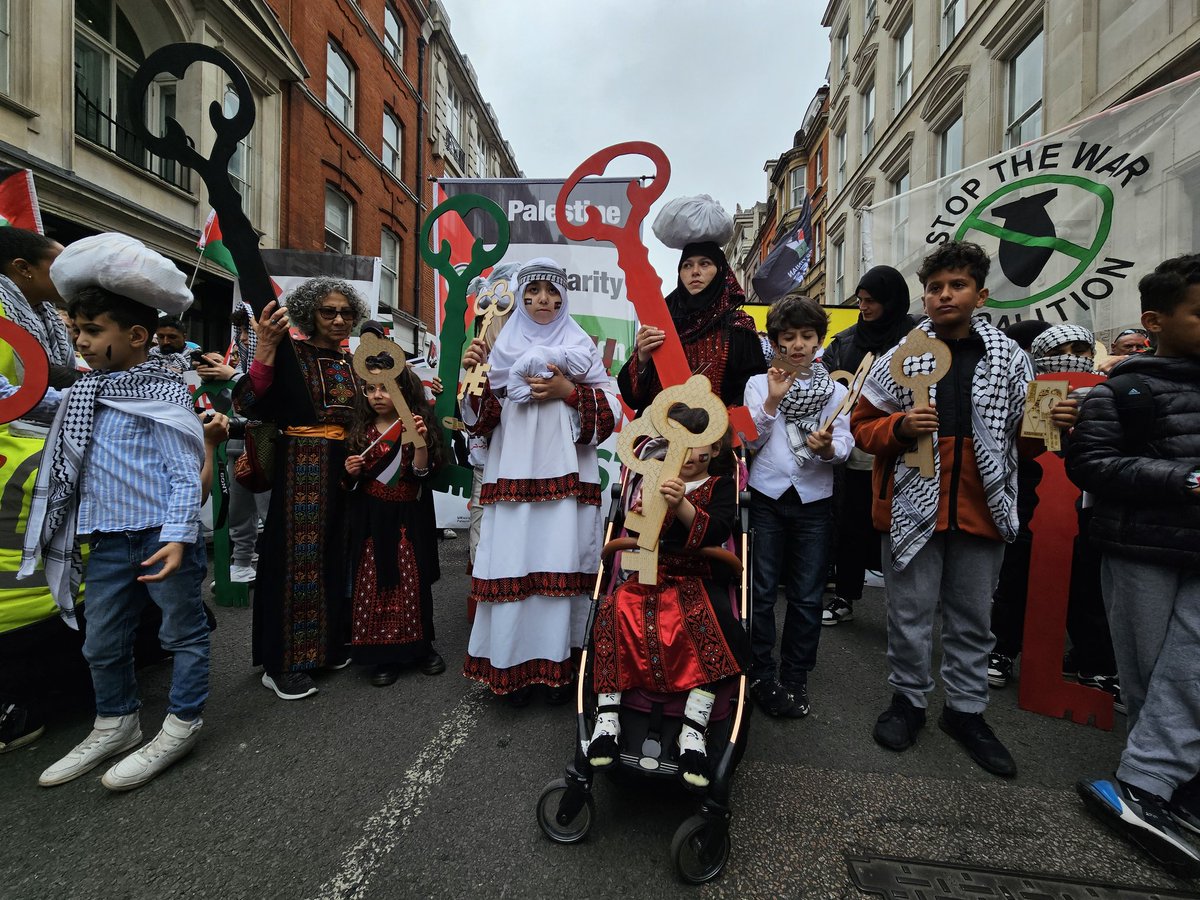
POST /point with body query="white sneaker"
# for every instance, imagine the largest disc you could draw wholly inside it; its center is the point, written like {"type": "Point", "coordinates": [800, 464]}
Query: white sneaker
{"type": "Point", "coordinates": [174, 741]}
{"type": "Point", "coordinates": [109, 737]}
{"type": "Point", "coordinates": [241, 574]}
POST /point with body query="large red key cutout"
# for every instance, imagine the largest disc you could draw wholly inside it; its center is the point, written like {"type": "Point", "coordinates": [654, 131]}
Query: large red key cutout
{"type": "Point", "coordinates": [37, 371]}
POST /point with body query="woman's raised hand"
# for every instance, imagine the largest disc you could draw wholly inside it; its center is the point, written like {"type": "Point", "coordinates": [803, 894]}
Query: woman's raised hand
{"type": "Point", "coordinates": [476, 354]}
{"type": "Point", "coordinates": [271, 326]}
{"type": "Point", "coordinates": [648, 340]}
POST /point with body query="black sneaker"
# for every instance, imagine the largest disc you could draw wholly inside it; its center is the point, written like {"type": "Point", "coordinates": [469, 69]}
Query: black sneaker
{"type": "Point", "coordinates": [837, 611]}
{"type": "Point", "coordinates": [1000, 670]}
{"type": "Point", "coordinates": [1185, 806]}
{"type": "Point", "coordinates": [1110, 684]}
{"type": "Point", "coordinates": [433, 664]}
{"type": "Point", "coordinates": [290, 685]}
{"type": "Point", "coordinates": [18, 727]}
{"type": "Point", "coordinates": [897, 726]}
{"type": "Point", "coordinates": [774, 700]}
{"type": "Point", "coordinates": [798, 691]}
{"type": "Point", "coordinates": [1143, 818]}
{"type": "Point", "coordinates": [1070, 671]}
{"type": "Point", "coordinates": [978, 739]}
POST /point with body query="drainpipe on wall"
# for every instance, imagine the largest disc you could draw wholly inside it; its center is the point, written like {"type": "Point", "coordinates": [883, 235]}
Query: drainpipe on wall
{"type": "Point", "coordinates": [422, 44]}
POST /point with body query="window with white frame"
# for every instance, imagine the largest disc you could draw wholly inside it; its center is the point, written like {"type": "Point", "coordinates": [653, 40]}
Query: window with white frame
{"type": "Point", "coordinates": [816, 243]}
{"type": "Point", "coordinates": [953, 15]}
{"type": "Point", "coordinates": [389, 269]}
{"type": "Point", "coordinates": [393, 33]}
{"type": "Point", "coordinates": [904, 63]}
{"type": "Point", "coordinates": [797, 185]}
{"type": "Point", "coordinates": [453, 111]}
{"type": "Point", "coordinates": [107, 53]}
{"type": "Point", "coordinates": [339, 85]}
{"type": "Point", "coordinates": [240, 162]}
{"type": "Point", "coordinates": [950, 148]}
{"type": "Point", "coordinates": [339, 220]}
{"type": "Point", "coordinates": [868, 110]}
{"type": "Point", "coordinates": [839, 149]}
{"type": "Point", "coordinates": [1025, 94]}
{"type": "Point", "coordinates": [5, 41]}
{"type": "Point", "coordinates": [901, 185]}
{"type": "Point", "coordinates": [868, 13]}
{"type": "Point", "coordinates": [819, 171]}
{"type": "Point", "coordinates": [839, 270]}
{"type": "Point", "coordinates": [843, 48]}
{"type": "Point", "coordinates": [393, 142]}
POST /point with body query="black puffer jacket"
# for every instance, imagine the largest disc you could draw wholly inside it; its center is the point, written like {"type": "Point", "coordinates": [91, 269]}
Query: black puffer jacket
{"type": "Point", "coordinates": [1143, 506]}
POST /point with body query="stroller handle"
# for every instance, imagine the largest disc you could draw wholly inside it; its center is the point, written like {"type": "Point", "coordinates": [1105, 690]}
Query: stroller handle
{"type": "Point", "coordinates": [716, 554]}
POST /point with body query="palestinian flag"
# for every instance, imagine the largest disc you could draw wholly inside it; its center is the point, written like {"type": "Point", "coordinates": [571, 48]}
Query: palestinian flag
{"type": "Point", "coordinates": [212, 246]}
{"type": "Point", "coordinates": [18, 199]}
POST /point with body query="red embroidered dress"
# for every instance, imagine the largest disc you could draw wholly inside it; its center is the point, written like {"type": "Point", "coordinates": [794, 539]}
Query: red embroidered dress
{"type": "Point", "coordinates": [680, 633]}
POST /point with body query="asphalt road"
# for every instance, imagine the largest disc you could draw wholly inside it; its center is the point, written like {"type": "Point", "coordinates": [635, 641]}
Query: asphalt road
{"type": "Point", "coordinates": [427, 789]}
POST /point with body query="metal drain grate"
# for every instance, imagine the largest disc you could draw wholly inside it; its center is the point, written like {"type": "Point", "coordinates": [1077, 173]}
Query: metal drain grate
{"type": "Point", "coordinates": [918, 879]}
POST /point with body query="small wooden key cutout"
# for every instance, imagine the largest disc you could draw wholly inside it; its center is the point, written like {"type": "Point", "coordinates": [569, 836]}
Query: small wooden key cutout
{"type": "Point", "coordinates": [380, 361]}
{"type": "Point", "coordinates": [854, 384]}
{"type": "Point", "coordinates": [916, 345]}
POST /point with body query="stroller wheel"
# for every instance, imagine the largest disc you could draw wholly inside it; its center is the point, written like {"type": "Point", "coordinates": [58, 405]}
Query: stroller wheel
{"type": "Point", "coordinates": [557, 803]}
{"type": "Point", "coordinates": [700, 849]}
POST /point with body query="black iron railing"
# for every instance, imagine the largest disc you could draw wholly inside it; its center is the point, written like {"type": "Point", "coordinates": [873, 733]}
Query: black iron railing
{"type": "Point", "coordinates": [455, 150]}
{"type": "Point", "coordinates": [97, 126]}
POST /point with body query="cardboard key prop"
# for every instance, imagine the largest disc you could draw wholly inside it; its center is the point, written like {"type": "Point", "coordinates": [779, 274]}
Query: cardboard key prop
{"type": "Point", "coordinates": [854, 384]}
{"type": "Point", "coordinates": [696, 393]}
{"type": "Point", "coordinates": [916, 345]}
{"type": "Point", "coordinates": [643, 285]}
{"type": "Point", "coordinates": [380, 361]}
{"type": "Point", "coordinates": [494, 303]}
{"type": "Point", "coordinates": [1040, 399]}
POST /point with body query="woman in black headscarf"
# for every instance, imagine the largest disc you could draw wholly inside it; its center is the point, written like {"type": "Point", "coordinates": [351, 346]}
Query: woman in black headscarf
{"type": "Point", "coordinates": [719, 339]}
{"type": "Point", "coordinates": [883, 320]}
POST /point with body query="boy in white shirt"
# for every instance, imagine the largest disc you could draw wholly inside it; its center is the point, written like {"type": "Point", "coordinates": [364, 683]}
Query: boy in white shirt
{"type": "Point", "coordinates": [791, 485]}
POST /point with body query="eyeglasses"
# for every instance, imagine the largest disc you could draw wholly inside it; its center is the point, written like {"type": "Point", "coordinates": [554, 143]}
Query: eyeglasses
{"type": "Point", "coordinates": [329, 313]}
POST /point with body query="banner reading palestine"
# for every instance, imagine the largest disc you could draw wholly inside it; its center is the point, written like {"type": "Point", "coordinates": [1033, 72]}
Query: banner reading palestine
{"type": "Point", "coordinates": [1071, 220]}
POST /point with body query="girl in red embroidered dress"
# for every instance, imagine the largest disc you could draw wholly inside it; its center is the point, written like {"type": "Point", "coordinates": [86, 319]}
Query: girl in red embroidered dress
{"type": "Point", "coordinates": [680, 634]}
{"type": "Point", "coordinates": [393, 536]}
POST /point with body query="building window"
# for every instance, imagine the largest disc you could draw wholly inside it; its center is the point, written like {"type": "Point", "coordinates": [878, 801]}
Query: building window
{"type": "Point", "coordinates": [839, 270]}
{"type": "Point", "coordinates": [481, 153]}
{"type": "Point", "coordinates": [239, 163]}
{"type": "Point", "coordinates": [389, 269]}
{"type": "Point", "coordinates": [950, 148]}
{"type": "Point", "coordinates": [798, 185]}
{"type": "Point", "coordinates": [839, 145]}
{"type": "Point", "coordinates": [339, 215]}
{"type": "Point", "coordinates": [904, 64]}
{"type": "Point", "coordinates": [900, 188]}
{"type": "Point", "coordinates": [393, 142]}
{"type": "Point", "coordinates": [953, 15]}
{"type": "Point", "coordinates": [816, 243]}
{"type": "Point", "coordinates": [843, 48]}
{"type": "Point", "coordinates": [339, 85]}
{"type": "Point", "coordinates": [453, 111]}
{"type": "Point", "coordinates": [1025, 94]}
{"type": "Point", "coordinates": [393, 34]}
{"type": "Point", "coordinates": [868, 14]}
{"type": "Point", "coordinates": [868, 106]}
{"type": "Point", "coordinates": [5, 35]}
{"type": "Point", "coordinates": [819, 172]}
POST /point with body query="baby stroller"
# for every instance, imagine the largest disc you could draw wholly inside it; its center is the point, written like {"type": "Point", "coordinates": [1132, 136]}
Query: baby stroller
{"type": "Point", "coordinates": [651, 722]}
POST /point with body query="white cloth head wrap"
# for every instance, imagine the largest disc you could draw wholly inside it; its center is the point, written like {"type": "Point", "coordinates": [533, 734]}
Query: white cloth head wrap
{"type": "Point", "coordinates": [1057, 335]}
{"type": "Point", "coordinates": [522, 332]}
{"type": "Point", "coordinates": [125, 266]}
{"type": "Point", "coordinates": [693, 220]}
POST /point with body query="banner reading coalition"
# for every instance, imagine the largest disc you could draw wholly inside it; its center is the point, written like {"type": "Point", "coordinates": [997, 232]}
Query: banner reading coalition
{"type": "Point", "coordinates": [1071, 220]}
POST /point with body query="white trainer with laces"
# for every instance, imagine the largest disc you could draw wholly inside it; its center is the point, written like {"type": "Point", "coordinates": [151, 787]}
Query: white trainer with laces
{"type": "Point", "coordinates": [241, 574]}
{"type": "Point", "coordinates": [175, 740]}
{"type": "Point", "coordinates": [110, 736]}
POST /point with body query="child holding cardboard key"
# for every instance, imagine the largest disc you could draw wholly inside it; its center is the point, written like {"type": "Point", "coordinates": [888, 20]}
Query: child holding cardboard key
{"type": "Point", "coordinates": [944, 535]}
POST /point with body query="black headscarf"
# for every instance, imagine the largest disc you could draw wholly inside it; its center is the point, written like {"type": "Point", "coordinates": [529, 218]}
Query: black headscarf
{"type": "Point", "coordinates": [888, 288]}
{"type": "Point", "coordinates": [719, 301]}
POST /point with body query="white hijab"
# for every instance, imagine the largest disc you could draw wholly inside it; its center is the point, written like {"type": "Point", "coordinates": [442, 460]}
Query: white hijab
{"type": "Point", "coordinates": [522, 332]}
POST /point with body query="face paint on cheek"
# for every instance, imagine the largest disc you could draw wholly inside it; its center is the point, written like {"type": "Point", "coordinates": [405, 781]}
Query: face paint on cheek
{"type": "Point", "coordinates": [558, 304]}
{"type": "Point", "coordinates": [108, 352]}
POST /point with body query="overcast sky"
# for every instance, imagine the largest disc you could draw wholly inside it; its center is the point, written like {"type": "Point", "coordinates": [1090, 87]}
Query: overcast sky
{"type": "Point", "coordinates": [721, 86]}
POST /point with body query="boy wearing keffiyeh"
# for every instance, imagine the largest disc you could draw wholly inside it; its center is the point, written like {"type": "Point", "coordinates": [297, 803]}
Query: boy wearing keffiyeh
{"type": "Point", "coordinates": [121, 471]}
{"type": "Point", "coordinates": [791, 480]}
{"type": "Point", "coordinates": [944, 536]}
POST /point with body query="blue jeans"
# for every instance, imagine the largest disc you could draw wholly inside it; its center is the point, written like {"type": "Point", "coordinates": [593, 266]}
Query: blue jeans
{"type": "Point", "coordinates": [791, 543]}
{"type": "Point", "coordinates": [115, 599]}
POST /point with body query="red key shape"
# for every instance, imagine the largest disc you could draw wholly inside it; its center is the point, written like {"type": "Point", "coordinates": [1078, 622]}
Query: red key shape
{"type": "Point", "coordinates": [37, 371]}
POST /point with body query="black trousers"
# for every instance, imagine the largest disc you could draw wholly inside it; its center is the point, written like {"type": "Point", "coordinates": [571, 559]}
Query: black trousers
{"type": "Point", "coordinates": [856, 542]}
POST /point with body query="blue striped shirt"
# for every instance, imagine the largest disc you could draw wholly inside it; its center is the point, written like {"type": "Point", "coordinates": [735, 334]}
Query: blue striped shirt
{"type": "Point", "coordinates": [46, 407]}
{"type": "Point", "coordinates": [138, 474]}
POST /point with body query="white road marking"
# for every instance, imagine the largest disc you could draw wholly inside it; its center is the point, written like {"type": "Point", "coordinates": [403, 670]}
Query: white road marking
{"type": "Point", "coordinates": [384, 829]}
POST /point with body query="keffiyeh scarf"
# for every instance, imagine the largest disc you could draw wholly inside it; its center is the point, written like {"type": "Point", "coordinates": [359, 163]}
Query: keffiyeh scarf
{"type": "Point", "coordinates": [801, 408]}
{"type": "Point", "coordinates": [1066, 333]}
{"type": "Point", "coordinates": [147, 390]}
{"type": "Point", "coordinates": [247, 350]}
{"type": "Point", "coordinates": [39, 319]}
{"type": "Point", "coordinates": [997, 404]}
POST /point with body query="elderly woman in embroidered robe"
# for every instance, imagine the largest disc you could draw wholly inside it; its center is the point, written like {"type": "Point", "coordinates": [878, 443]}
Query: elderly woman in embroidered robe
{"type": "Point", "coordinates": [306, 388]}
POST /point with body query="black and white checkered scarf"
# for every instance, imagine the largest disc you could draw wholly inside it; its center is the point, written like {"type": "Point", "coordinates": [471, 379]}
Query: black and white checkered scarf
{"type": "Point", "coordinates": [1064, 333]}
{"type": "Point", "coordinates": [801, 407]}
{"type": "Point", "coordinates": [148, 390]}
{"type": "Point", "coordinates": [247, 350]}
{"type": "Point", "coordinates": [39, 319]}
{"type": "Point", "coordinates": [997, 404]}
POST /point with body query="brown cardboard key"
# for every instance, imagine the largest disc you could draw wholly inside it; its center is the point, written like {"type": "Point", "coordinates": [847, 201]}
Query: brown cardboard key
{"type": "Point", "coordinates": [379, 361]}
{"type": "Point", "coordinates": [854, 384]}
{"type": "Point", "coordinates": [915, 345]}
{"type": "Point", "coordinates": [696, 392]}
{"type": "Point", "coordinates": [496, 303]}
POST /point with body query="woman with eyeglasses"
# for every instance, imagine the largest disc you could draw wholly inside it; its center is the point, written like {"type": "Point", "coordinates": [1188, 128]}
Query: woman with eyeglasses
{"type": "Point", "coordinates": [308, 389]}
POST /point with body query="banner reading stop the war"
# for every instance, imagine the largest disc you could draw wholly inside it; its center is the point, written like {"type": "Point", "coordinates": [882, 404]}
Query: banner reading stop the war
{"type": "Point", "coordinates": [1071, 220]}
{"type": "Point", "coordinates": [595, 282]}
